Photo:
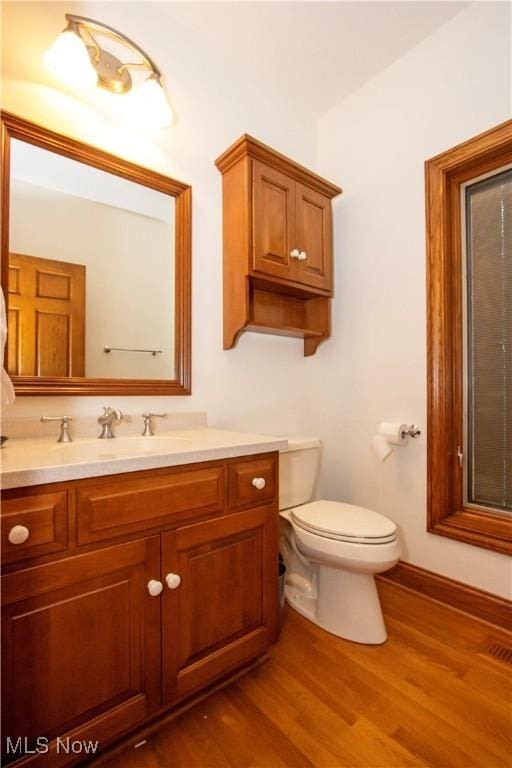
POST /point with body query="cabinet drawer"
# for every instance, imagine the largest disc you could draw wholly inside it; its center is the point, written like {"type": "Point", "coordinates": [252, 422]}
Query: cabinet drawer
{"type": "Point", "coordinates": [246, 479]}
{"type": "Point", "coordinates": [115, 508]}
{"type": "Point", "coordinates": [44, 516]}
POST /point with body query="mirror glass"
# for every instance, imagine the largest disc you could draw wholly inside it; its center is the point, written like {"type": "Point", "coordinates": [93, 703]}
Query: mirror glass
{"type": "Point", "coordinates": [91, 271]}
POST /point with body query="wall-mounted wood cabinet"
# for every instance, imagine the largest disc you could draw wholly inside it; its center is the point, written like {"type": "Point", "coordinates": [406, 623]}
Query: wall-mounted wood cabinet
{"type": "Point", "coordinates": [278, 261]}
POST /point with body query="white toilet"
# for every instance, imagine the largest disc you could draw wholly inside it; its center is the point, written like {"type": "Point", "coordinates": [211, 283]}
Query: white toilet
{"type": "Point", "coordinates": [331, 551]}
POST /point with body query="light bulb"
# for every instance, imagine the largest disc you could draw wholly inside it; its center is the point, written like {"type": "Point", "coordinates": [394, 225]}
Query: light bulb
{"type": "Point", "coordinates": [68, 60]}
{"type": "Point", "coordinates": [148, 104]}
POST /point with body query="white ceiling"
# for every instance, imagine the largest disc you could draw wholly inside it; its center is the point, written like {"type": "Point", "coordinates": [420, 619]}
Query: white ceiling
{"type": "Point", "coordinates": [309, 55]}
{"type": "Point", "coordinates": [319, 52]}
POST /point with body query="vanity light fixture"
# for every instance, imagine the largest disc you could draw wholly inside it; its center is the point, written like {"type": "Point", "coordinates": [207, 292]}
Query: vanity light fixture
{"type": "Point", "coordinates": [77, 59]}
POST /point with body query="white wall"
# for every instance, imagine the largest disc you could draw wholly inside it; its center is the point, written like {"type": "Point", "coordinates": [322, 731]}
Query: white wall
{"type": "Point", "coordinates": [452, 86]}
{"type": "Point", "coordinates": [129, 274]}
{"type": "Point", "coordinates": [247, 387]}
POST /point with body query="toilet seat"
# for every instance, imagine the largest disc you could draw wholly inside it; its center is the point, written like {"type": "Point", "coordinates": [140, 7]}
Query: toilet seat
{"type": "Point", "coordinates": [344, 522]}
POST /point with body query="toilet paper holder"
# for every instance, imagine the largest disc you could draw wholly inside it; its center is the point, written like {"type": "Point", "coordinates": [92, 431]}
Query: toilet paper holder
{"type": "Point", "coordinates": [412, 431]}
{"type": "Point", "coordinates": [391, 435]}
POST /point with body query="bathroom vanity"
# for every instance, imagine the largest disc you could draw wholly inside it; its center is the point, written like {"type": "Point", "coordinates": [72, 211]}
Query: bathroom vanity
{"type": "Point", "coordinates": [124, 591]}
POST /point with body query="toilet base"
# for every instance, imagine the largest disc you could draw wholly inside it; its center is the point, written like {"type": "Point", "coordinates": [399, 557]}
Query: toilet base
{"type": "Point", "coordinates": [346, 604]}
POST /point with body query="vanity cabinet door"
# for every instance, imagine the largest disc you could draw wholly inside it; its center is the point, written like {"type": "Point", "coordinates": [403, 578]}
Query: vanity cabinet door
{"type": "Point", "coordinates": [273, 222]}
{"type": "Point", "coordinates": [220, 603]}
{"type": "Point", "coordinates": [81, 647]}
{"type": "Point", "coordinates": [313, 217]}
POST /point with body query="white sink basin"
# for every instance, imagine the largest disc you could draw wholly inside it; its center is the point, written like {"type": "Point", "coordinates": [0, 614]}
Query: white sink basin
{"type": "Point", "coordinates": [33, 461]}
{"type": "Point", "coordinates": [119, 447]}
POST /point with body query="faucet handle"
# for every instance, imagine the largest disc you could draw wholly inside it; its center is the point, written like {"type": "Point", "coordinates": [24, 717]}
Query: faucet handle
{"type": "Point", "coordinates": [109, 411]}
{"type": "Point", "coordinates": [148, 429]}
{"type": "Point", "coordinates": [56, 418]}
{"type": "Point", "coordinates": [64, 436]}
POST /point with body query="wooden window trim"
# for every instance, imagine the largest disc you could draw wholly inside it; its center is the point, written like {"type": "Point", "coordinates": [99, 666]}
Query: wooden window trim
{"type": "Point", "coordinates": [446, 513]}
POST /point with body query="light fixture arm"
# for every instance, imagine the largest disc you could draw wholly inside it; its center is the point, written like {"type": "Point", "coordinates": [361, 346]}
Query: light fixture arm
{"type": "Point", "coordinates": [77, 23]}
{"type": "Point", "coordinates": [97, 50]}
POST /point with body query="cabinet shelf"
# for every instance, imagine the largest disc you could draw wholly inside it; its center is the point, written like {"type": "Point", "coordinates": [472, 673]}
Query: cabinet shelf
{"type": "Point", "coordinates": [282, 315]}
{"type": "Point", "coordinates": [277, 235]}
{"type": "Point", "coordinates": [283, 330]}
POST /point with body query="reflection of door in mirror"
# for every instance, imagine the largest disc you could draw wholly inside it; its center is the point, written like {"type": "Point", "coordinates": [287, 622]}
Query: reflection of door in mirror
{"type": "Point", "coordinates": [46, 317]}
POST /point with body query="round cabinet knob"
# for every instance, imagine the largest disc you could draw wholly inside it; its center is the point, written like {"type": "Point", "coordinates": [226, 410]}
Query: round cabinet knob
{"type": "Point", "coordinates": [18, 534]}
{"type": "Point", "coordinates": [295, 253]}
{"type": "Point", "coordinates": [173, 580]}
{"type": "Point", "coordinates": [303, 256]}
{"type": "Point", "coordinates": [155, 587]}
{"type": "Point", "coordinates": [259, 483]}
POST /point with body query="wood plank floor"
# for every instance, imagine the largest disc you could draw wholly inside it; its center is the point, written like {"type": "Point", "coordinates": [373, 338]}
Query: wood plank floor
{"type": "Point", "coordinates": [430, 696]}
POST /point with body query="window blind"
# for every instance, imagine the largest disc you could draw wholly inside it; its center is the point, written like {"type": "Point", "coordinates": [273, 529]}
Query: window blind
{"type": "Point", "coordinates": [488, 425]}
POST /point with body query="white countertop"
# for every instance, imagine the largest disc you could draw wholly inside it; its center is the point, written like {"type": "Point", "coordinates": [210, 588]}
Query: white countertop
{"type": "Point", "coordinates": [33, 461]}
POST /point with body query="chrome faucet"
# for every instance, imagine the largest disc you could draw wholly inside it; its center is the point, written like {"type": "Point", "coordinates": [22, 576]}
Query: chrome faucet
{"type": "Point", "coordinates": [64, 436]}
{"type": "Point", "coordinates": [148, 426]}
{"type": "Point", "coordinates": [109, 417]}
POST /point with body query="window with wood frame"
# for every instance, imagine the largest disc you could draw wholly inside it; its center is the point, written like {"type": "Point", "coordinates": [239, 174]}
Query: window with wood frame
{"type": "Point", "coordinates": [469, 306]}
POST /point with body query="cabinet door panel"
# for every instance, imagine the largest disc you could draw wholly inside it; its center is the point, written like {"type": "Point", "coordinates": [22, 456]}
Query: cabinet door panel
{"type": "Point", "coordinates": [224, 610]}
{"type": "Point", "coordinates": [314, 238]}
{"type": "Point", "coordinates": [273, 221]}
{"type": "Point", "coordinates": [81, 637]}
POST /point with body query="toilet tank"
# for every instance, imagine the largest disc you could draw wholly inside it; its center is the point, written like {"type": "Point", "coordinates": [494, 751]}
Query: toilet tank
{"type": "Point", "coordinates": [298, 471]}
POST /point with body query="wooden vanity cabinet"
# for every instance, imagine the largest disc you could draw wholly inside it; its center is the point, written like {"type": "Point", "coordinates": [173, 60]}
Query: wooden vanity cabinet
{"type": "Point", "coordinates": [277, 234]}
{"type": "Point", "coordinates": [106, 635]}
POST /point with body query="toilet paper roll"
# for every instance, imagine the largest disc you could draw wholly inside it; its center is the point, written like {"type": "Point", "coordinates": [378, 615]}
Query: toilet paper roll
{"type": "Point", "coordinates": [381, 447]}
{"type": "Point", "coordinates": [393, 432]}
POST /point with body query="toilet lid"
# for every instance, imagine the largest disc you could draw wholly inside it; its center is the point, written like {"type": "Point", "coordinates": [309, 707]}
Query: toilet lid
{"type": "Point", "coordinates": [344, 522]}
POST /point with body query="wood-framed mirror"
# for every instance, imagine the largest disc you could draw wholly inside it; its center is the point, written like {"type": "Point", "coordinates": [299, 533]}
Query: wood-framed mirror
{"type": "Point", "coordinates": [96, 269]}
